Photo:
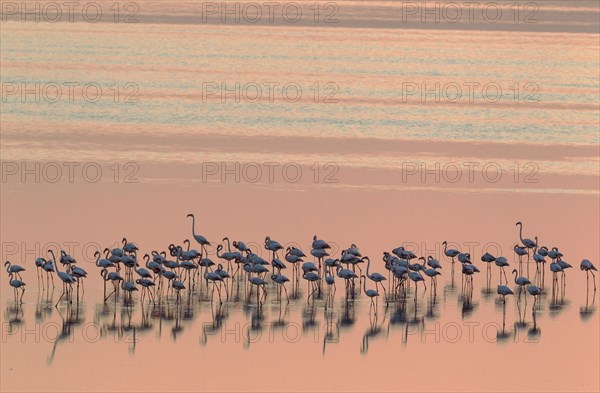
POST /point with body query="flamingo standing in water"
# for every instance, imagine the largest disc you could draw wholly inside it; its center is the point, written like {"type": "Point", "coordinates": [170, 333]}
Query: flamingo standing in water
{"type": "Point", "coordinates": [199, 238]}
{"type": "Point", "coordinates": [49, 269]}
{"type": "Point", "coordinates": [281, 280]}
{"type": "Point", "coordinates": [129, 247]}
{"type": "Point", "coordinates": [17, 284]}
{"type": "Point", "coordinates": [501, 262]}
{"type": "Point", "coordinates": [588, 267]}
{"type": "Point", "coordinates": [520, 251]}
{"type": "Point", "coordinates": [431, 273]}
{"type": "Point", "coordinates": [66, 278]}
{"type": "Point", "coordinates": [534, 291]}
{"type": "Point", "coordinates": [312, 278]}
{"type": "Point", "coordinates": [14, 269]}
{"type": "Point", "coordinates": [371, 293]}
{"type": "Point", "coordinates": [114, 278]}
{"type": "Point", "coordinates": [319, 244]}
{"type": "Point", "coordinates": [433, 263]}
{"type": "Point", "coordinates": [528, 243]}
{"type": "Point", "coordinates": [450, 253]}
{"type": "Point", "coordinates": [520, 281]}
{"type": "Point", "coordinates": [39, 264]}
{"type": "Point", "coordinates": [503, 291]}
{"type": "Point", "coordinates": [272, 246]}
{"type": "Point", "coordinates": [260, 284]}
{"type": "Point", "coordinates": [416, 277]}
{"type": "Point", "coordinates": [376, 277]}
{"type": "Point", "coordinates": [488, 259]}
{"type": "Point", "coordinates": [294, 256]}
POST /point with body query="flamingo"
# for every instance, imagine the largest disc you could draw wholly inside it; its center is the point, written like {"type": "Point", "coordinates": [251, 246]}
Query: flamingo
{"type": "Point", "coordinates": [129, 247]}
{"type": "Point", "coordinates": [520, 281]}
{"type": "Point", "coordinates": [241, 246]}
{"type": "Point", "coordinates": [469, 270]}
{"type": "Point", "coordinates": [330, 281]}
{"type": "Point", "coordinates": [79, 274]}
{"type": "Point", "coordinates": [216, 279]}
{"type": "Point", "coordinates": [143, 273]}
{"type": "Point", "coordinates": [319, 244]}
{"type": "Point", "coordinates": [146, 284]}
{"type": "Point", "coordinates": [347, 275]}
{"type": "Point", "coordinates": [17, 284]}
{"type": "Point", "coordinates": [129, 262]}
{"type": "Point", "coordinates": [296, 251]}
{"type": "Point", "coordinates": [416, 277]}
{"type": "Point", "coordinates": [371, 293]}
{"type": "Point", "coordinates": [277, 264]}
{"type": "Point", "coordinates": [292, 257]}
{"type": "Point", "coordinates": [153, 264]}
{"type": "Point", "coordinates": [520, 251]}
{"type": "Point", "coordinates": [281, 280]}
{"type": "Point", "coordinates": [39, 264]}
{"type": "Point", "coordinates": [501, 262]}
{"type": "Point", "coordinates": [450, 253]}
{"type": "Point", "coordinates": [488, 258]}
{"type": "Point", "coordinates": [228, 255]}
{"type": "Point", "coordinates": [113, 277]}
{"type": "Point", "coordinates": [272, 246]}
{"type": "Point", "coordinates": [330, 264]}
{"type": "Point", "coordinates": [66, 259]}
{"type": "Point", "coordinates": [49, 269]}
{"type": "Point", "coordinates": [588, 267]}
{"type": "Point", "coordinates": [554, 253]}
{"type": "Point", "coordinates": [309, 267]}
{"type": "Point", "coordinates": [311, 278]}
{"type": "Point", "coordinates": [464, 257]}
{"type": "Point", "coordinates": [555, 269]}
{"type": "Point", "coordinates": [563, 266]}
{"type": "Point", "coordinates": [503, 291]}
{"type": "Point", "coordinates": [375, 277]}
{"type": "Point", "coordinates": [319, 253]}
{"type": "Point", "coordinates": [538, 257]}
{"type": "Point", "coordinates": [433, 263]}
{"type": "Point", "coordinates": [66, 278]}
{"type": "Point", "coordinates": [534, 291]}
{"type": "Point", "coordinates": [260, 284]}
{"type": "Point", "coordinates": [103, 263]}
{"type": "Point", "coordinates": [128, 287]}
{"type": "Point", "coordinates": [190, 254]}
{"type": "Point", "coordinates": [177, 286]}
{"type": "Point", "coordinates": [353, 249]}
{"type": "Point", "coordinates": [199, 238]}
{"type": "Point", "coordinates": [528, 243]}
{"type": "Point", "coordinates": [14, 269]}
{"type": "Point", "coordinates": [431, 273]}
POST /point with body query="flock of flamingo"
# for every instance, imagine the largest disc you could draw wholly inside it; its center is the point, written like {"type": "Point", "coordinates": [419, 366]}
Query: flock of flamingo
{"type": "Point", "coordinates": [167, 274]}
